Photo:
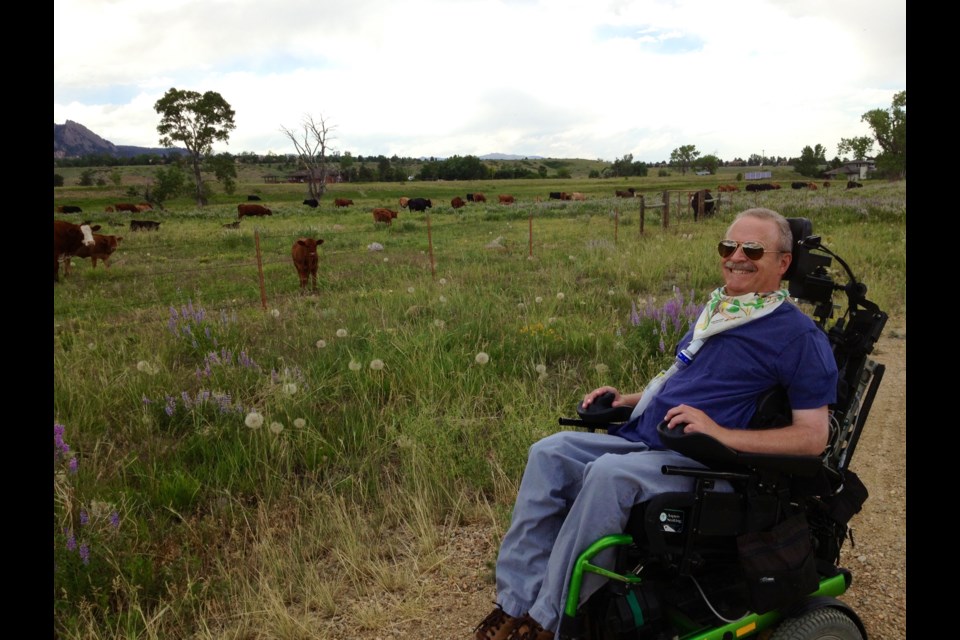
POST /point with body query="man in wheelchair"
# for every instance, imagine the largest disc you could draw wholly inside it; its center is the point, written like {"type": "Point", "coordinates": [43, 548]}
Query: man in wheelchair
{"type": "Point", "coordinates": [643, 531]}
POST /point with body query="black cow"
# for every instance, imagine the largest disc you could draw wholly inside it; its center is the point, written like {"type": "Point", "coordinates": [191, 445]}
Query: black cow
{"type": "Point", "coordinates": [469, 197]}
{"type": "Point", "coordinates": [798, 185]}
{"type": "Point", "coordinates": [312, 203]}
{"type": "Point", "coordinates": [144, 225]}
{"type": "Point", "coordinates": [69, 208]}
{"type": "Point", "coordinates": [253, 198]}
{"type": "Point", "coordinates": [853, 185]}
{"type": "Point", "coordinates": [763, 186]}
{"type": "Point", "coordinates": [698, 196]}
{"type": "Point", "coordinates": [419, 204]}
{"type": "Point", "coordinates": [555, 195]}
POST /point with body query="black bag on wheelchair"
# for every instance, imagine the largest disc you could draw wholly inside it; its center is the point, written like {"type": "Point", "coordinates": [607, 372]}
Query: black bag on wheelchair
{"type": "Point", "coordinates": [778, 565]}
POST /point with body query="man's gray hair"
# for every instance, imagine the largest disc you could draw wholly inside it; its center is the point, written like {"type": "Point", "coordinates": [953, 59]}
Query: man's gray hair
{"type": "Point", "coordinates": [783, 227]}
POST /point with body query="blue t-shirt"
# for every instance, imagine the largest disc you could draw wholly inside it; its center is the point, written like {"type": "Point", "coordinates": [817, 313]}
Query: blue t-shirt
{"type": "Point", "coordinates": [735, 367]}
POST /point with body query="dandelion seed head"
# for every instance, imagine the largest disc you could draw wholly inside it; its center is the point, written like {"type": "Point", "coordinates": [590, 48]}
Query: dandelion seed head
{"type": "Point", "coordinates": [276, 428]}
{"type": "Point", "coordinates": [92, 346]}
{"type": "Point", "coordinates": [341, 333]}
{"type": "Point", "coordinates": [601, 368]}
{"type": "Point", "coordinates": [560, 296]}
{"type": "Point", "coordinates": [299, 423]}
{"type": "Point", "coordinates": [410, 289]}
{"type": "Point", "coordinates": [290, 388]}
{"type": "Point", "coordinates": [439, 324]}
{"type": "Point", "coordinates": [376, 364]}
{"type": "Point", "coordinates": [254, 420]}
{"type": "Point", "coordinates": [521, 306]}
{"type": "Point", "coordinates": [611, 292]}
{"type": "Point", "coordinates": [482, 358]}
{"type": "Point", "coordinates": [354, 365]}
{"type": "Point", "coordinates": [538, 299]}
{"type": "Point", "coordinates": [386, 259]}
{"type": "Point", "coordinates": [443, 298]}
{"type": "Point", "coordinates": [275, 313]}
{"type": "Point", "coordinates": [443, 281]}
{"type": "Point", "coordinates": [541, 368]}
{"type": "Point", "coordinates": [321, 344]}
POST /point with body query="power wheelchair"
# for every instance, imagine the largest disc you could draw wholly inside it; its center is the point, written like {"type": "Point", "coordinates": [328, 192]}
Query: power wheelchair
{"type": "Point", "coordinates": [762, 560]}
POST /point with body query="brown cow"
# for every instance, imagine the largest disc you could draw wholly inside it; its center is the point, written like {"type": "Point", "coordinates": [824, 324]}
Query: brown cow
{"type": "Point", "coordinates": [479, 197]}
{"type": "Point", "coordinates": [67, 239]}
{"type": "Point", "coordinates": [126, 206]}
{"type": "Point", "coordinates": [102, 248]}
{"type": "Point", "coordinates": [504, 199]}
{"type": "Point", "coordinates": [305, 259]}
{"type": "Point", "coordinates": [109, 209]}
{"type": "Point", "coordinates": [826, 185]}
{"type": "Point", "coordinates": [576, 195]}
{"type": "Point", "coordinates": [403, 202]}
{"type": "Point", "coordinates": [143, 206]}
{"type": "Point", "coordinates": [628, 193]}
{"type": "Point", "coordinates": [457, 202]}
{"type": "Point", "coordinates": [252, 210]}
{"type": "Point", "coordinates": [342, 202]}
{"type": "Point", "coordinates": [384, 215]}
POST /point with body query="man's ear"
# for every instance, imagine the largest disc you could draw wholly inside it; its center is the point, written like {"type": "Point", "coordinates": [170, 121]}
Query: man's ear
{"type": "Point", "coordinates": [785, 260]}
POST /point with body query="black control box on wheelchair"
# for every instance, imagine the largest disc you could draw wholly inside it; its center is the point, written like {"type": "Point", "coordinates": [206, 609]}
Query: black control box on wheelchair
{"type": "Point", "coordinates": [764, 559]}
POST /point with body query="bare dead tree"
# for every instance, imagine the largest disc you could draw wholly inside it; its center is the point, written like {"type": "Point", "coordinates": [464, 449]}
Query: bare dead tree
{"type": "Point", "coordinates": [312, 150]}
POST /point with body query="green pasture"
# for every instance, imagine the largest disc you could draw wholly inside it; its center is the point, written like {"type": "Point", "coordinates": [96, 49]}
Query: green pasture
{"type": "Point", "coordinates": [238, 461]}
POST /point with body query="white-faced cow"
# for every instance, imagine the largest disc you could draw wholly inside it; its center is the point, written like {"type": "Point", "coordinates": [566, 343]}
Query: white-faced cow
{"type": "Point", "coordinates": [67, 239]}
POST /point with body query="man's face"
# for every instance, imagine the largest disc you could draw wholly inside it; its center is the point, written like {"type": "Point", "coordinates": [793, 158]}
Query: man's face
{"type": "Point", "coordinates": [743, 275]}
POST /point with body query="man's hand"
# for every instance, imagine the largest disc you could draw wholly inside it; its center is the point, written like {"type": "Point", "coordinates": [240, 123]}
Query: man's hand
{"type": "Point", "coordinates": [696, 421]}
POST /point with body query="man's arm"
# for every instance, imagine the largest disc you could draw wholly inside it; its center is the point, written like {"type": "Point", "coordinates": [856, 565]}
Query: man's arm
{"type": "Point", "coordinates": [807, 435]}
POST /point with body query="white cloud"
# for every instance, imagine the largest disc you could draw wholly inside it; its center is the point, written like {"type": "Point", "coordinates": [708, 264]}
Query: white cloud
{"type": "Point", "coordinates": [574, 78]}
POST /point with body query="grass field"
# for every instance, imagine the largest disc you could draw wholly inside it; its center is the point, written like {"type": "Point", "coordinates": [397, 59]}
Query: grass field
{"type": "Point", "coordinates": [238, 461]}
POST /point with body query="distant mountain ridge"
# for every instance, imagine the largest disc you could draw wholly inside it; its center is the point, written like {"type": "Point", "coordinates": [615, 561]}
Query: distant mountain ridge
{"type": "Point", "coordinates": [73, 140]}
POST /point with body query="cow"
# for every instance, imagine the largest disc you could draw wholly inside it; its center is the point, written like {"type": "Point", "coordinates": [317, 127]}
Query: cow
{"type": "Point", "coordinates": [628, 193]}
{"type": "Point", "coordinates": [67, 239]}
{"type": "Point", "coordinates": [728, 188]}
{"type": "Point", "coordinates": [798, 185]}
{"type": "Point", "coordinates": [313, 203]}
{"type": "Point", "coordinates": [470, 197]}
{"type": "Point", "coordinates": [252, 210]}
{"type": "Point", "coordinates": [555, 195]}
{"type": "Point", "coordinates": [109, 209]}
{"type": "Point", "coordinates": [126, 206]}
{"type": "Point", "coordinates": [812, 186]}
{"type": "Point", "coordinates": [762, 186]}
{"type": "Point", "coordinates": [253, 198]}
{"type": "Point", "coordinates": [826, 184]}
{"type": "Point", "coordinates": [304, 253]}
{"type": "Point", "coordinates": [479, 197]}
{"type": "Point", "coordinates": [419, 204]}
{"type": "Point", "coordinates": [384, 215]}
{"type": "Point", "coordinates": [505, 199]}
{"type": "Point", "coordinates": [102, 248]}
{"type": "Point", "coordinates": [342, 202]}
{"type": "Point", "coordinates": [143, 207]}
{"type": "Point", "coordinates": [576, 195]}
{"type": "Point", "coordinates": [403, 202]}
{"type": "Point", "coordinates": [144, 225]}
{"type": "Point", "coordinates": [457, 202]}
{"type": "Point", "coordinates": [706, 198]}
{"type": "Point", "coordinates": [853, 185]}
{"type": "Point", "coordinates": [69, 208]}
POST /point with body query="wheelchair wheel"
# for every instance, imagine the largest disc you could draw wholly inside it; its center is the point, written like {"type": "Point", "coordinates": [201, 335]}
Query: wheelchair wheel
{"type": "Point", "coordinates": [820, 624]}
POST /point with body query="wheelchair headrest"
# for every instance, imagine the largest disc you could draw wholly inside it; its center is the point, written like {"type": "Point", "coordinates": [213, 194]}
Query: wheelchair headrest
{"type": "Point", "coordinates": [800, 228]}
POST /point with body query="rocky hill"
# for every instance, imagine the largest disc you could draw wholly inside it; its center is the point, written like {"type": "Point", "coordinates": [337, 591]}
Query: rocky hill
{"type": "Point", "coordinates": [73, 140]}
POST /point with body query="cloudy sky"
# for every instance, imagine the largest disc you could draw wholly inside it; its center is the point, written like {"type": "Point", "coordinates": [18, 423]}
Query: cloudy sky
{"type": "Point", "coordinates": [555, 78]}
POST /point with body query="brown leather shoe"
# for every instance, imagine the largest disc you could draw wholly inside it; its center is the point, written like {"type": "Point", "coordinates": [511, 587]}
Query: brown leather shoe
{"type": "Point", "coordinates": [496, 626]}
{"type": "Point", "coordinates": [526, 628]}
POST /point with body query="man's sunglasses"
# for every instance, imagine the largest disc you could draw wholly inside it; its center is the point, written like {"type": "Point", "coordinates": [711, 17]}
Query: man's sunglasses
{"type": "Point", "coordinates": [753, 250]}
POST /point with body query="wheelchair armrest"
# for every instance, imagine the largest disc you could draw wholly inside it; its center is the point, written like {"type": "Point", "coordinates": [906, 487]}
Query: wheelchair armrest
{"type": "Point", "coordinates": [709, 451]}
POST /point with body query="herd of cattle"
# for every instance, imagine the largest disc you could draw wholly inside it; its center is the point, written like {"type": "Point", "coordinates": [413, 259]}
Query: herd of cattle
{"type": "Point", "coordinates": [82, 241]}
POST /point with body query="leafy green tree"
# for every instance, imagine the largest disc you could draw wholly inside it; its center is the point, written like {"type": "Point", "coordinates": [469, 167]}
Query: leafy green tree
{"type": "Point", "coordinates": [116, 178]}
{"type": "Point", "coordinates": [168, 182]}
{"type": "Point", "coordinates": [860, 147]}
{"type": "Point", "coordinates": [57, 180]}
{"type": "Point", "coordinates": [682, 157]}
{"type": "Point", "coordinates": [890, 129]}
{"type": "Point", "coordinates": [811, 159]}
{"type": "Point", "coordinates": [86, 178]}
{"type": "Point", "coordinates": [710, 162]}
{"type": "Point", "coordinates": [197, 121]}
{"type": "Point", "coordinates": [225, 169]}
{"type": "Point", "coordinates": [312, 145]}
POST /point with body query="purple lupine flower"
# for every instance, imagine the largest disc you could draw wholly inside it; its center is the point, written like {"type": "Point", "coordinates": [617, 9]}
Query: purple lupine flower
{"type": "Point", "coordinates": [634, 316]}
{"type": "Point", "coordinates": [145, 400]}
{"type": "Point", "coordinates": [72, 465]}
{"type": "Point", "coordinates": [202, 396]}
{"type": "Point", "coordinates": [171, 406]}
{"type": "Point", "coordinates": [187, 402]}
{"type": "Point", "coordinates": [85, 553]}
{"type": "Point", "coordinates": [84, 517]}
{"type": "Point", "coordinates": [662, 346]}
{"type": "Point", "coordinates": [71, 540]}
{"type": "Point", "coordinates": [206, 332]}
{"type": "Point", "coordinates": [115, 520]}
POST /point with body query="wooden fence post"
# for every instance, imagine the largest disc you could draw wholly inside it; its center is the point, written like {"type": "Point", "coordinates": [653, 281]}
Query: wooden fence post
{"type": "Point", "coordinates": [666, 209]}
{"type": "Point", "coordinates": [263, 291]}
{"type": "Point", "coordinates": [643, 213]}
{"type": "Point", "coordinates": [433, 269]}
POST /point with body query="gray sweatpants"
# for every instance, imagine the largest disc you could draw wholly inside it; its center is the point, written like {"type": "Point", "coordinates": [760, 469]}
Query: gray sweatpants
{"type": "Point", "coordinates": [577, 488]}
